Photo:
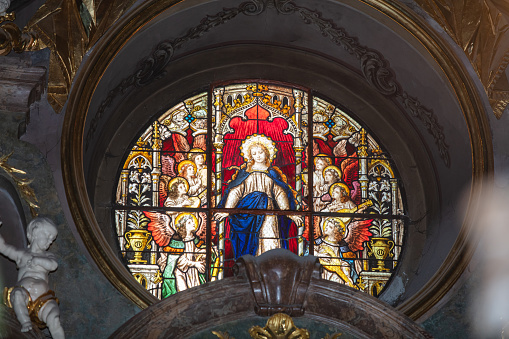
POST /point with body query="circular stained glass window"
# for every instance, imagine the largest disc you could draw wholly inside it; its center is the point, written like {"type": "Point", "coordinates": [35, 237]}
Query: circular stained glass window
{"type": "Point", "coordinates": [234, 171]}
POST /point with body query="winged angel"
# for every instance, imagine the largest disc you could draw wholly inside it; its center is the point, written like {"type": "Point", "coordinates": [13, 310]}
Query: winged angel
{"type": "Point", "coordinates": [341, 239]}
{"type": "Point", "coordinates": [183, 260]}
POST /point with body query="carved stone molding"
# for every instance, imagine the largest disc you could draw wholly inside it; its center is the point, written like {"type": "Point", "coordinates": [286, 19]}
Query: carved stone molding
{"type": "Point", "coordinates": [372, 64]}
{"type": "Point", "coordinates": [479, 27]}
{"type": "Point", "coordinates": [216, 306]}
{"type": "Point", "coordinates": [20, 84]}
{"type": "Point", "coordinates": [279, 280]}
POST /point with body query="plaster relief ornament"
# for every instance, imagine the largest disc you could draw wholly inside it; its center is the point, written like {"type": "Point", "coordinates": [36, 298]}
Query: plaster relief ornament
{"type": "Point", "coordinates": [31, 298]}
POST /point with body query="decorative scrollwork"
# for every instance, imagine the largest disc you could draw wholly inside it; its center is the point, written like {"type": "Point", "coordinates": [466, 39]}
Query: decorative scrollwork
{"type": "Point", "coordinates": [253, 7]}
{"type": "Point", "coordinates": [153, 66]}
{"type": "Point", "coordinates": [285, 6]}
{"type": "Point", "coordinates": [429, 120]}
{"type": "Point", "coordinates": [14, 39]}
{"type": "Point", "coordinates": [374, 67]}
{"type": "Point", "coordinates": [376, 70]}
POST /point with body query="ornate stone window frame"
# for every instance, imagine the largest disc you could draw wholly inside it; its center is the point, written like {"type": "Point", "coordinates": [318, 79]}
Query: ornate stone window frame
{"type": "Point", "coordinates": [74, 138]}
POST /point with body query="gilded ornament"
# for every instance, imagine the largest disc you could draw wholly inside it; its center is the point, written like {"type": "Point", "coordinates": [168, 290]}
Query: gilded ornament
{"type": "Point", "coordinates": [381, 249]}
{"type": "Point", "coordinates": [279, 326]}
{"type": "Point", "coordinates": [222, 335]}
{"type": "Point", "coordinates": [14, 39]}
{"type": "Point", "coordinates": [479, 27]}
{"type": "Point", "coordinates": [22, 184]}
{"type": "Point", "coordinates": [158, 278]}
{"type": "Point", "coordinates": [59, 26]}
{"type": "Point", "coordinates": [238, 103]}
{"type": "Point", "coordinates": [138, 240]}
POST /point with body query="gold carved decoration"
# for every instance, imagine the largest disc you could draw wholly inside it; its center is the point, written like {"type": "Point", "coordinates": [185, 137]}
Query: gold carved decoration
{"type": "Point", "coordinates": [480, 28]}
{"type": "Point", "coordinates": [26, 191]}
{"type": "Point", "coordinates": [279, 326]}
{"type": "Point", "coordinates": [14, 39]}
{"type": "Point", "coordinates": [59, 25]}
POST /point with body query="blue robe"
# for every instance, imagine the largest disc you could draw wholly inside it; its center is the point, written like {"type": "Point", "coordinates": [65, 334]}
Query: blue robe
{"type": "Point", "coordinates": [244, 227]}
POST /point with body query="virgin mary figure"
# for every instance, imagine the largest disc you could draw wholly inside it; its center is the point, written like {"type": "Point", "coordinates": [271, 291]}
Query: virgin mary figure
{"type": "Point", "coordinates": [258, 185]}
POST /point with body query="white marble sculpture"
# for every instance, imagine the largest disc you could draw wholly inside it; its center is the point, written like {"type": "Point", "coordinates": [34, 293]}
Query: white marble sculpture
{"type": "Point", "coordinates": [31, 298]}
{"type": "Point", "coordinates": [4, 5]}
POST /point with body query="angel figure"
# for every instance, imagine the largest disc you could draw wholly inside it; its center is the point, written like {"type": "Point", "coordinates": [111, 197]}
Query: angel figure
{"type": "Point", "coordinates": [197, 155]}
{"type": "Point", "coordinates": [188, 170]}
{"type": "Point", "coordinates": [184, 259]}
{"type": "Point", "coordinates": [177, 122]}
{"type": "Point", "coordinates": [178, 196]}
{"type": "Point", "coordinates": [340, 198]}
{"type": "Point", "coordinates": [32, 298]}
{"type": "Point", "coordinates": [321, 161]}
{"type": "Point", "coordinates": [331, 175]}
{"type": "Point", "coordinates": [336, 249]}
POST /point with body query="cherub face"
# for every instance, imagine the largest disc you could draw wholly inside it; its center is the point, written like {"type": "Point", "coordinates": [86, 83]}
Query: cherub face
{"type": "Point", "coordinates": [258, 155]}
{"type": "Point", "coordinates": [190, 225]}
{"type": "Point", "coordinates": [199, 160]}
{"type": "Point", "coordinates": [328, 230]}
{"type": "Point", "coordinates": [181, 188]}
{"type": "Point", "coordinates": [190, 171]}
{"type": "Point", "coordinates": [336, 193]}
{"type": "Point", "coordinates": [43, 238]}
{"type": "Point", "coordinates": [320, 164]}
{"type": "Point", "coordinates": [328, 176]}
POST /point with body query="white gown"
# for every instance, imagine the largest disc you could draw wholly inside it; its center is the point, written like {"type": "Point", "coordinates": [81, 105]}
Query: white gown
{"type": "Point", "coordinates": [259, 181]}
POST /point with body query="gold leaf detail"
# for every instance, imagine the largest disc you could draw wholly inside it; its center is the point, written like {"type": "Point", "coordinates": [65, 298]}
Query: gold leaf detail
{"type": "Point", "coordinates": [26, 191]}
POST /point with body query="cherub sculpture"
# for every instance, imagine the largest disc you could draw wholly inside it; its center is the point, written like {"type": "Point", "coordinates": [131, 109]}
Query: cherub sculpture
{"type": "Point", "coordinates": [31, 298]}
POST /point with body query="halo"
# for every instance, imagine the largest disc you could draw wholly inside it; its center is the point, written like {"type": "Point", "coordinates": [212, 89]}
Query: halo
{"type": "Point", "coordinates": [176, 112]}
{"type": "Point", "coordinates": [258, 139]}
{"type": "Point", "coordinates": [340, 184]}
{"type": "Point", "coordinates": [180, 179]}
{"type": "Point", "coordinates": [184, 163]}
{"type": "Point", "coordinates": [197, 151]}
{"type": "Point", "coordinates": [322, 156]}
{"type": "Point", "coordinates": [337, 223]}
{"type": "Point", "coordinates": [181, 215]}
{"type": "Point", "coordinates": [334, 168]}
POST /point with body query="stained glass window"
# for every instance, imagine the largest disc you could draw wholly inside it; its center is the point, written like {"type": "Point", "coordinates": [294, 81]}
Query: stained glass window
{"type": "Point", "coordinates": [194, 196]}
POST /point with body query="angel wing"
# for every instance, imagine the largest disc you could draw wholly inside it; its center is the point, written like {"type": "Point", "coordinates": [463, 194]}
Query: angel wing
{"type": "Point", "coordinates": [168, 166]}
{"type": "Point", "coordinates": [358, 233]}
{"type": "Point", "coordinates": [160, 227]}
{"type": "Point", "coordinates": [201, 232]}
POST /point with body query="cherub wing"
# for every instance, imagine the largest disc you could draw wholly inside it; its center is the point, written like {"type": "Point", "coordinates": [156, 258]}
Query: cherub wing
{"type": "Point", "coordinates": [201, 232]}
{"type": "Point", "coordinates": [168, 166]}
{"type": "Point", "coordinates": [160, 227]}
{"type": "Point", "coordinates": [358, 233]}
